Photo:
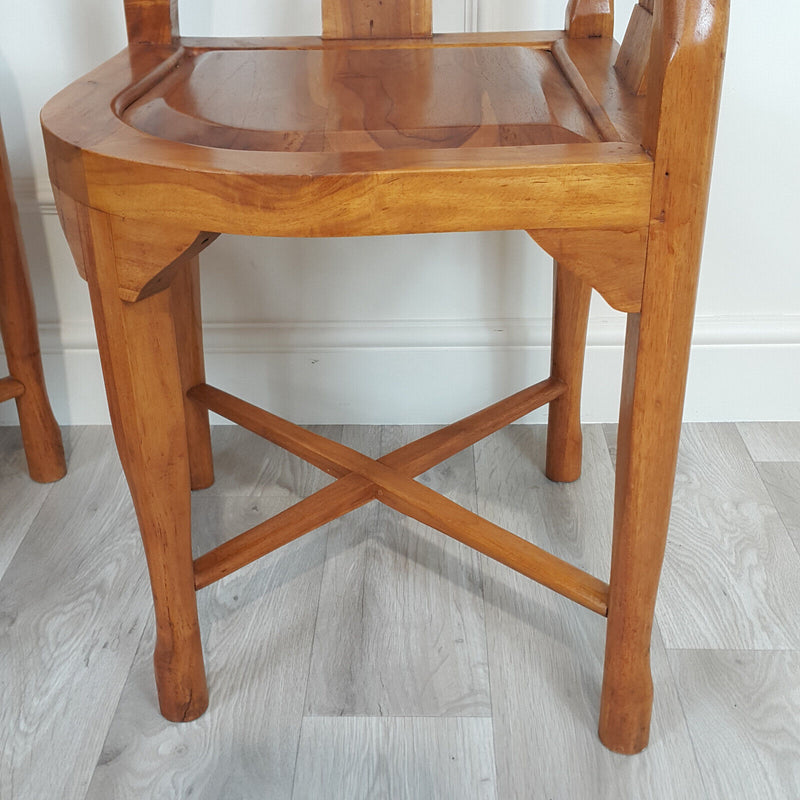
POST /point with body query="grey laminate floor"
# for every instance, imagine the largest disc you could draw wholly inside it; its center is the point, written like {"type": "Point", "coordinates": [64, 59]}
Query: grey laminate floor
{"type": "Point", "coordinates": [377, 659]}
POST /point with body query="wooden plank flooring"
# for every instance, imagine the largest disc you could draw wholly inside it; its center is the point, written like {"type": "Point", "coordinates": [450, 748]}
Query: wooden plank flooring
{"type": "Point", "coordinates": [377, 659]}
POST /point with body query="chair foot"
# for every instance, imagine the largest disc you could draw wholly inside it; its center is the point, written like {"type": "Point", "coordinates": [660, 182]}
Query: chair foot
{"type": "Point", "coordinates": [181, 681]}
{"type": "Point", "coordinates": [41, 437]}
{"type": "Point", "coordinates": [626, 707]}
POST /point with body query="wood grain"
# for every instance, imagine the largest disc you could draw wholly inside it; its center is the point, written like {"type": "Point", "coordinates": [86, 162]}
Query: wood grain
{"type": "Point", "coordinates": [571, 298]}
{"type": "Point", "coordinates": [743, 712]}
{"type": "Point", "coordinates": [353, 489]}
{"type": "Point", "coordinates": [771, 441]}
{"type": "Point", "coordinates": [357, 758]}
{"type": "Point", "coordinates": [250, 466]}
{"type": "Point", "coordinates": [634, 52]}
{"type": "Point", "coordinates": [783, 484]}
{"type": "Point", "coordinates": [731, 575]}
{"type": "Point", "coordinates": [74, 602]}
{"type": "Point", "coordinates": [20, 498]}
{"type": "Point", "coordinates": [151, 21]}
{"type": "Point", "coordinates": [686, 68]}
{"type": "Point", "coordinates": [257, 630]}
{"type": "Point", "coordinates": [545, 656]}
{"type": "Point", "coordinates": [400, 630]}
{"type": "Point", "coordinates": [590, 18]}
{"type": "Point", "coordinates": [141, 372]}
{"type": "Point", "coordinates": [311, 140]}
{"type": "Point", "coordinates": [374, 19]}
{"type": "Point", "coordinates": [44, 449]}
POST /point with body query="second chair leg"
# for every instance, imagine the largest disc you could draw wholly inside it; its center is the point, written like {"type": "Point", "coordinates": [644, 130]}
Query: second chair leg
{"type": "Point", "coordinates": [41, 436]}
{"type": "Point", "coordinates": [571, 298]}
{"type": "Point", "coordinates": [138, 351]}
{"type": "Point", "coordinates": [185, 294]}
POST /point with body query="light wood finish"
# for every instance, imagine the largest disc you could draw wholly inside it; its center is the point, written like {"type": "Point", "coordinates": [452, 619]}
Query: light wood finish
{"type": "Point", "coordinates": [752, 595]}
{"type": "Point", "coordinates": [634, 53]}
{"type": "Point", "coordinates": [596, 111]}
{"type": "Point", "coordinates": [544, 653]}
{"type": "Point", "coordinates": [10, 388]}
{"type": "Point", "coordinates": [358, 758]}
{"type": "Point", "coordinates": [530, 632]}
{"type": "Point", "coordinates": [571, 297]}
{"type": "Point", "coordinates": [140, 365]}
{"type": "Point", "coordinates": [151, 21]}
{"type": "Point", "coordinates": [173, 142]}
{"type": "Point", "coordinates": [400, 629]}
{"type": "Point", "coordinates": [20, 497]}
{"type": "Point", "coordinates": [744, 708]}
{"type": "Point", "coordinates": [782, 480]}
{"type": "Point", "coordinates": [400, 492]}
{"type": "Point", "coordinates": [590, 18]}
{"type": "Point", "coordinates": [657, 351]}
{"type": "Point", "coordinates": [44, 449]}
{"type": "Point", "coordinates": [375, 19]}
{"type": "Point", "coordinates": [353, 490]}
{"type": "Point", "coordinates": [771, 441]}
{"type": "Point", "coordinates": [73, 603]}
{"type": "Point", "coordinates": [186, 315]}
{"type": "Point", "coordinates": [272, 607]}
{"type": "Point", "coordinates": [613, 261]}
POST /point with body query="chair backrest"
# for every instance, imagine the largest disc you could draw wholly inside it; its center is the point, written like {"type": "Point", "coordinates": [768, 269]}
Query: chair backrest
{"type": "Point", "coordinates": [156, 21]}
{"type": "Point", "coordinates": [376, 19]}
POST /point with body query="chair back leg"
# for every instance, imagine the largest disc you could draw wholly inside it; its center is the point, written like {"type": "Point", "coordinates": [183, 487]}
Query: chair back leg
{"type": "Point", "coordinates": [571, 297]}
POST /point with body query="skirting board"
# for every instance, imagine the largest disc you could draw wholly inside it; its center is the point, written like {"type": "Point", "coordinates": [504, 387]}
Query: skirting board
{"type": "Point", "coordinates": [437, 371]}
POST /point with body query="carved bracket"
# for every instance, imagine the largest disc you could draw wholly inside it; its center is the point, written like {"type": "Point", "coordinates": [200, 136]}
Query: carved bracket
{"type": "Point", "coordinates": [147, 256]}
{"type": "Point", "coordinates": [610, 261]}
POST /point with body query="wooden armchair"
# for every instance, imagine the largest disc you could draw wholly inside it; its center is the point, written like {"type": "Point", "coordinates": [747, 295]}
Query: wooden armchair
{"type": "Point", "coordinates": [380, 127]}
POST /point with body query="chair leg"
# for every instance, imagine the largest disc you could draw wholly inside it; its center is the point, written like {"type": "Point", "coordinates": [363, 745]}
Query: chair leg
{"type": "Point", "coordinates": [571, 297]}
{"type": "Point", "coordinates": [185, 293]}
{"type": "Point", "coordinates": [138, 351]}
{"type": "Point", "coordinates": [647, 449]}
{"type": "Point", "coordinates": [41, 436]}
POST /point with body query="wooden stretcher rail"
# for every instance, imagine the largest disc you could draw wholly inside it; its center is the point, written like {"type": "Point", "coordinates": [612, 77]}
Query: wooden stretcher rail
{"type": "Point", "coordinates": [353, 491]}
{"type": "Point", "coordinates": [390, 480]}
{"type": "Point", "coordinates": [10, 388]}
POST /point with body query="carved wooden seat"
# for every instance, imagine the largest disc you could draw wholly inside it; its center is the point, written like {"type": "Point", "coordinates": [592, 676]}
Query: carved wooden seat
{"type": "Point", "coordinates": [41, 437]}
{"type": "Point", "coordinates": [380, 127]}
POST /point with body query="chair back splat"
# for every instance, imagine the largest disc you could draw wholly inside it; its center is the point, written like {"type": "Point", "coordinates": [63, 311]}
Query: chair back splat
{"type": "Point", "coordinates": [602, 154]}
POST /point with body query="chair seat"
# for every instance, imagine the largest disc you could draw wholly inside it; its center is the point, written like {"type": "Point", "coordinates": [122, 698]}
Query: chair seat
{"type": "Point", "coordinates": [524, 131]}
{"type": "Point", "coordinates": [340, 100]}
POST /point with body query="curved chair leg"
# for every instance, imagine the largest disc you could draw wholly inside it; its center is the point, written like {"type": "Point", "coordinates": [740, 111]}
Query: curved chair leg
{"type": "Point", "coordinates": [185, 293]}
{"type": "Point", "coordinates": [41, 436]}
{"type": "Point", "coordinates": [647, 450]}
{"type": "Point", "coordinates": [571, 297]}
{"type": "Point", "coordinates": [140, 365]}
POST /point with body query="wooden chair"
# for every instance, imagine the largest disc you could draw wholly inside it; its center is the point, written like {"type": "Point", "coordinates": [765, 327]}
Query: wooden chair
{"type": "Point", "coordinates": [41, 436]}
{"type": "Point", "coordinates": [379, 127]}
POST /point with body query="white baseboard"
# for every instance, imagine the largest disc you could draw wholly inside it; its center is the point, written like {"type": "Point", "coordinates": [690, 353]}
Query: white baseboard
{"type": "Point", "coordinates": [743, 368]}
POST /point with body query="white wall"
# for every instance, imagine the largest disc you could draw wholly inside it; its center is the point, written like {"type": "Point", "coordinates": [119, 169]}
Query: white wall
{"type": "Point", "coordinates": [425, 328]}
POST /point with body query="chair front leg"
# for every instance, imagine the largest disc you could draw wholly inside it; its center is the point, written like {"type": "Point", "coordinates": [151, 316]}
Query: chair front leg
{"type": "Point", "coordinates": [647, 451]}
{"type": "Point", "coordinates": [141, 369]}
